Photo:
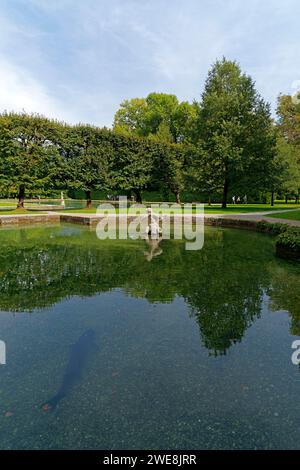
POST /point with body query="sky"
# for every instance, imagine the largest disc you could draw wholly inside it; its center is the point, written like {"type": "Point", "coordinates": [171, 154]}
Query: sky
{"type": "Point", "coordinates": [77, 60]}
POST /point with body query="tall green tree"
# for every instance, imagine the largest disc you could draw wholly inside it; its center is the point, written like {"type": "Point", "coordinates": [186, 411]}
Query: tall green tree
{"type": "Point", "coordinates": [288, 173]}
{"type": "Point", "coordinates": [132, 165]}
{"type": "Point", "coordinates": [86, 166]}
{"type": "Point", "coordinates": [6, 153]}
{"type": "Point", "coordinates": [288, 112]}
{"type": "Point", "coordinates": [28, 155]}
{"type": "Point", "coordinates": [170, 169]}
{"type": "Point", "coordinates": [235, 131]}
{"type": "Point", "coordinates": [158, 115]}
{"type": "Point", "coordinates": [288, 144]}
{"type": "Point", "coordinates": [130, 119]}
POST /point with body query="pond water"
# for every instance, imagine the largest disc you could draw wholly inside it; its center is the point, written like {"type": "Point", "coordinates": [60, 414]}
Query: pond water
{"type": "Point", "coordinates": [107, 348]}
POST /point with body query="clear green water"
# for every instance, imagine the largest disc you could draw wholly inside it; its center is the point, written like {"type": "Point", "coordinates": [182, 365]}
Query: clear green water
{"type": "Point", "coordinates": [191, 351]}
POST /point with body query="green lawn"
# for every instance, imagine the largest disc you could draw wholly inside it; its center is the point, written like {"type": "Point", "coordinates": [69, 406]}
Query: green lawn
{"type": "Point", "coordinates": [293, 215]}
{"type": "Point", "coordinates": [213, 209]}
{"type": "Point", "coordinates": [239, 208]}
{"type": "Point", "coordinates": [18, 212]}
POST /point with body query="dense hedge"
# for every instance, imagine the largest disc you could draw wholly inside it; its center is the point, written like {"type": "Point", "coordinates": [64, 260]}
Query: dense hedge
{"type": "Point", "coordinates": [288, 240]}
{"type": "Point", "coordinates": [272, 229]}
{"type": "Point", "coordinates": [288, 243]}
{"type": "Point", "coordinates": [39, 154]}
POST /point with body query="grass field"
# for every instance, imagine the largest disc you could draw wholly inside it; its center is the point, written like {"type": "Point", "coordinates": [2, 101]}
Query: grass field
{"type": "Point", "coordinates": [293, 215]}
{"type": "Point", "coordinates": [18, 212]}
{"type": "Point", "coordinates": [213, 209]}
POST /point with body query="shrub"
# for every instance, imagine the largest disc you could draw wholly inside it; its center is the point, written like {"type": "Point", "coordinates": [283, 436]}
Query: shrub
{"type": "Point", "coordinates": [273, 229]}
{"type": "Point", "coordinates": [288, 243]}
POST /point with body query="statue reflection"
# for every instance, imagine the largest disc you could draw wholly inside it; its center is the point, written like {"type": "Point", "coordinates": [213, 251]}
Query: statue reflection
{"type": "Point", "coordinates": [153, 235]}
{"type": "Point", "coordinates": [154, 248]}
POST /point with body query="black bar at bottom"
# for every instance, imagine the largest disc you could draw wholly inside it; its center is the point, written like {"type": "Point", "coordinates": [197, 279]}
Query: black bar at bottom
{"type": "Point", "coordinates": [137, 458]}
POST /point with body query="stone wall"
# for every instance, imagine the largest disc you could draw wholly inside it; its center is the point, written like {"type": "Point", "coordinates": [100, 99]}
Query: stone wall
{"type": "Point", "coordinates": [28, 219]}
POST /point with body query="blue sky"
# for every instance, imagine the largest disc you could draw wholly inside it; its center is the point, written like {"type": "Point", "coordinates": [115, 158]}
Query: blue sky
{"type": "Point", "coordinates": [76, 60]}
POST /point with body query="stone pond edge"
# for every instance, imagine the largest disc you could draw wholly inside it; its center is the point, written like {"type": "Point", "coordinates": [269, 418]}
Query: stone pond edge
{"type": "Point", "coordinates": [240, 223]}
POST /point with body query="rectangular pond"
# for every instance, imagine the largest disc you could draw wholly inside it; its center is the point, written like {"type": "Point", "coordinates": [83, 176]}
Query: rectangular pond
{"type": "Point", "coordinates": [123, 345]}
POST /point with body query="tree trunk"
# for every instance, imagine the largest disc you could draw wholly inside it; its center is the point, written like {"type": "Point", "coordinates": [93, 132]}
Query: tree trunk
{"type": "Point", "coordinates": [286, 199]}
{"type": "Point", "coordinates": [177, 196]}
{"type": "Point", "coordinates": [225, 192]}
{"type": "Point", "coordinates": [209, 200]}
{"type": "Point", "coordinates": [21, 196]}
{"type": "Point", "coordinates": [272, 198]}
{"type": "Point", "coordinates": [88, 195]}
{"type": "Point", "coordinates": [138, 196]}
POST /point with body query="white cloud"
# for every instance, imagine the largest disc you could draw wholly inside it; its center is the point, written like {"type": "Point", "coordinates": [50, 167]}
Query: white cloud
{"type": "Point", "coordinates": [20, 91]}
{"type": "Point", "coordinates": [78, 59]}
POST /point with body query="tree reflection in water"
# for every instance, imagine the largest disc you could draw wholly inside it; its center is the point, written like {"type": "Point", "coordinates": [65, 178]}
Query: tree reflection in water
{"type": "Point", "coordinates": [223, 284]}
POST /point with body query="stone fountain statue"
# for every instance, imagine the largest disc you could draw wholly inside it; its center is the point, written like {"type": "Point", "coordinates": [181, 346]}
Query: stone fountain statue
{"type": "Point", "coordinates": [62, 201]}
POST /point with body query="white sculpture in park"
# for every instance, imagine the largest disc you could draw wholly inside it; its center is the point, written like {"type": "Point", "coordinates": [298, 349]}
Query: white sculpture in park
{"type": "Point", "coordinates": [153, 227]}
{"type": "Point", "coordinates": [62, 201]}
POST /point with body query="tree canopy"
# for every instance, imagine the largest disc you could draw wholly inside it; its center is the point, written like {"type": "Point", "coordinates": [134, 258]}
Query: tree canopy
{"type": "Point", "coordinates": [39, 153]}
{"type": "Point", "coordinates": [235, 132]}
{"type": "Point", "coordinates": [288, 146]}
{"type": "Point", "coordinates": [160, 116]}
{"type": "Point", "coordinates": [28, 154]}
{"type": "Point", "coordinates": [225, 144]}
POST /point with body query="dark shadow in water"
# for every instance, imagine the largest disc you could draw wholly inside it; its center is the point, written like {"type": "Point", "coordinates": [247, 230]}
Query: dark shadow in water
{"type": "Point", "coordinates": [77, 361]}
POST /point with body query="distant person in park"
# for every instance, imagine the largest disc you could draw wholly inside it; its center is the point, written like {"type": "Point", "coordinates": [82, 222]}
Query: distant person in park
{"type": "Point", "coordinates": [233, 199]}
{"type": "Point", "coordinates": [245, 199]}
{"type": "Point", "coordinates": [238, 199]}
